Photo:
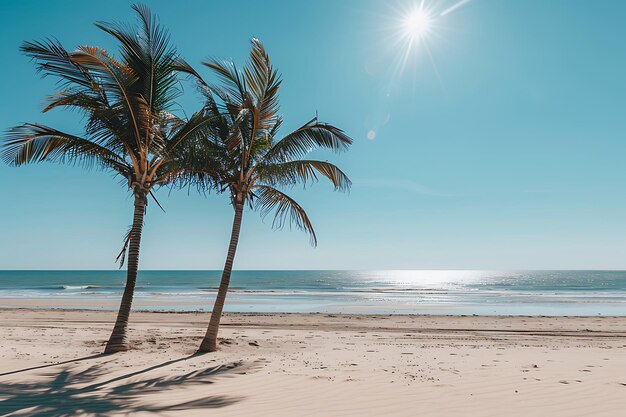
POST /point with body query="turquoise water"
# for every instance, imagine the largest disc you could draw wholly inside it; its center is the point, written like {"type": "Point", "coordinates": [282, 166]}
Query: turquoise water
{"type": "Point", "coordinates": [382, 292]}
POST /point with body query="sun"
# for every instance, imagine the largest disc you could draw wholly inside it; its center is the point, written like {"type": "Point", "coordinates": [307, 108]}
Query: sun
{"type": "Point", "coordinates": [413, 29]}
{"type": "Point", "coordinates": [417, 24]}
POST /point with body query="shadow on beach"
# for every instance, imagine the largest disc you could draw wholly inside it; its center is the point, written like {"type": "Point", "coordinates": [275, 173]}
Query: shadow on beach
{"type": "Point", "coordinates": [84, 358]}
{"type": "Point", "coordinates": [65, 393]}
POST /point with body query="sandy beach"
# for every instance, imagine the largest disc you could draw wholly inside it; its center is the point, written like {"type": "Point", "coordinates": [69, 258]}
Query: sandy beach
{"type": "Point", "coordinates": [313, 365]}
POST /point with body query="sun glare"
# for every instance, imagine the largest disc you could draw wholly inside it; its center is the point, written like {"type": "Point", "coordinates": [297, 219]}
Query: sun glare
{"type": "Point", "coordinates": [417, 24]}
{"type": "Point", "coordinates": [414, 28]}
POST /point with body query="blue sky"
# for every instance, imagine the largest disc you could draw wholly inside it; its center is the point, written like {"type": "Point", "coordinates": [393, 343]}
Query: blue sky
{"type": "Point", "coordinates": [502, 149]}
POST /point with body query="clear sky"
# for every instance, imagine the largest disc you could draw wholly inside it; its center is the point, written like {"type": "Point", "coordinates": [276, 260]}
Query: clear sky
{"type": "Point", "coordinates": [504, 148]}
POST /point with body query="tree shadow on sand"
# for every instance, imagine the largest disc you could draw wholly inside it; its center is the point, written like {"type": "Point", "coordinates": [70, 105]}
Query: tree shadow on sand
{"type": "Point", "coordinates": [65, 394]}
{"type": "Point", "coordinates": [49, 365]}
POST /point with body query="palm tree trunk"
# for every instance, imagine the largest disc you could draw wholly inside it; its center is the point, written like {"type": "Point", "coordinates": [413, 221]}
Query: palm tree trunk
{"type": "Point", "coordinates": [117, 341]}
{"type": "Point", "coordinates": [209, 343]}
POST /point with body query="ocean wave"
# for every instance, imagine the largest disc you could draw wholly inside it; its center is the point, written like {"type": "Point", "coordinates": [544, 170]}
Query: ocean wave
{"type": "Point", "coordinates": [78, 287]}
{"type": "Point", "coordinates": [91, 287]}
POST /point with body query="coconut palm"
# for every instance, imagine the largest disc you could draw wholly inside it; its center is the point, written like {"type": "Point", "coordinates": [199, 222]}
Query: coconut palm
{"type": "Point", "coordinates": [247, 158]}
{"type": "Point", "coordinates": [129, 128]}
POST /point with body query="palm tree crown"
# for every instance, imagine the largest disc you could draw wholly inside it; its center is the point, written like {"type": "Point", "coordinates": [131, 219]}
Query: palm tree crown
{"type": "Point", "coordinates": [127, 103]}
{"type": "Point", "coordinates": [243, 153]}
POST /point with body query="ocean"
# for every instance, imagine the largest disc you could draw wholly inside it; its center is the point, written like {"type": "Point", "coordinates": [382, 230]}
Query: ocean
{"type": "Point", "coordinates": [562, 293]}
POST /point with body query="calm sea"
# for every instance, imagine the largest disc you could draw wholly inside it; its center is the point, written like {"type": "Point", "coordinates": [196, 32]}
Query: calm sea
{"type": "Point", "coordinates": [381, 292]}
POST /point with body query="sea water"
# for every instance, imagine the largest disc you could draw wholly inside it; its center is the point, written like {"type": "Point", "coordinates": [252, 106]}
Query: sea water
{"type": "Point", "coordinates": [367, 292]}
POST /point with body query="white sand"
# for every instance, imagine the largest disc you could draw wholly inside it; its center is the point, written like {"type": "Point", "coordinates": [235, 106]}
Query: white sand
{"type": "Point", "coordinates": [313, 365]}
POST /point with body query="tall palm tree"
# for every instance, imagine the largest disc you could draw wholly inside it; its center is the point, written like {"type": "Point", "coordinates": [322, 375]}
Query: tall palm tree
{"type": "Point", "coordinates": [245, 156]}
{"type": "Point", "coordinates": [129, 128]}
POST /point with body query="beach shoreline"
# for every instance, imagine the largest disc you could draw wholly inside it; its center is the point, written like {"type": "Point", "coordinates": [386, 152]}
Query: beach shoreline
{"type": "Point", "coordinates": [522, 293]}
{"type": "Point", "coordinates": [281, 364]}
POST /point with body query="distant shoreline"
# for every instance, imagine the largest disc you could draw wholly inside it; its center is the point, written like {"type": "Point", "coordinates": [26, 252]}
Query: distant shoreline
{"type": "Point", "coordinates": [24, 308]}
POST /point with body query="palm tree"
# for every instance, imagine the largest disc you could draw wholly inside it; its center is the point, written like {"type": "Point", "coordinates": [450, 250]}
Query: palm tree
{"type": "Point", "coordinates": [129, 128]}
{"type": "Point", "coordinates": [244, 156]}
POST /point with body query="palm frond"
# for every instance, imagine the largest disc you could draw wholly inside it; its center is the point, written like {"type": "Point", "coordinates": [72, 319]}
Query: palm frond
{"type": "Point", "coordinates": [303, 171]}
{"type": "Point", "coordinates": [286, 210]}
{"type": "Point", "coordinates": [310, 136]}
{"type": "Point", "coordinates": [194, 156]}
{"type": "Point", "coordinates": [121, 257]}
{"type": "Point", "coordinates": [236, 139]}
{"type": "Point", "coordinates": [117, 80]}
{"type": "Point", "coordinates": [52, 59]}
{"type": "Point", "coordinates": [147, 51]}
{"type": "Point", "coordinates": [186, 140]}
{"type": "Point", "coordinates": [234, 84]}
{"type": "Point", "coordinates": [74, 98]}
{"type": "Point", "coordinates": [263, 83]}
{"type": "Point", "coordinates": [36, 143]}
{"type": "Point", "coordinates": [106, 125]}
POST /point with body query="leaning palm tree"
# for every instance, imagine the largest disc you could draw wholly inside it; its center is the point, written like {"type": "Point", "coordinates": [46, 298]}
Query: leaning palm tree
{"type": "Point", "coordinates": [245, 157]}
{"type": "Point", "coordinates": [129, 128]}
